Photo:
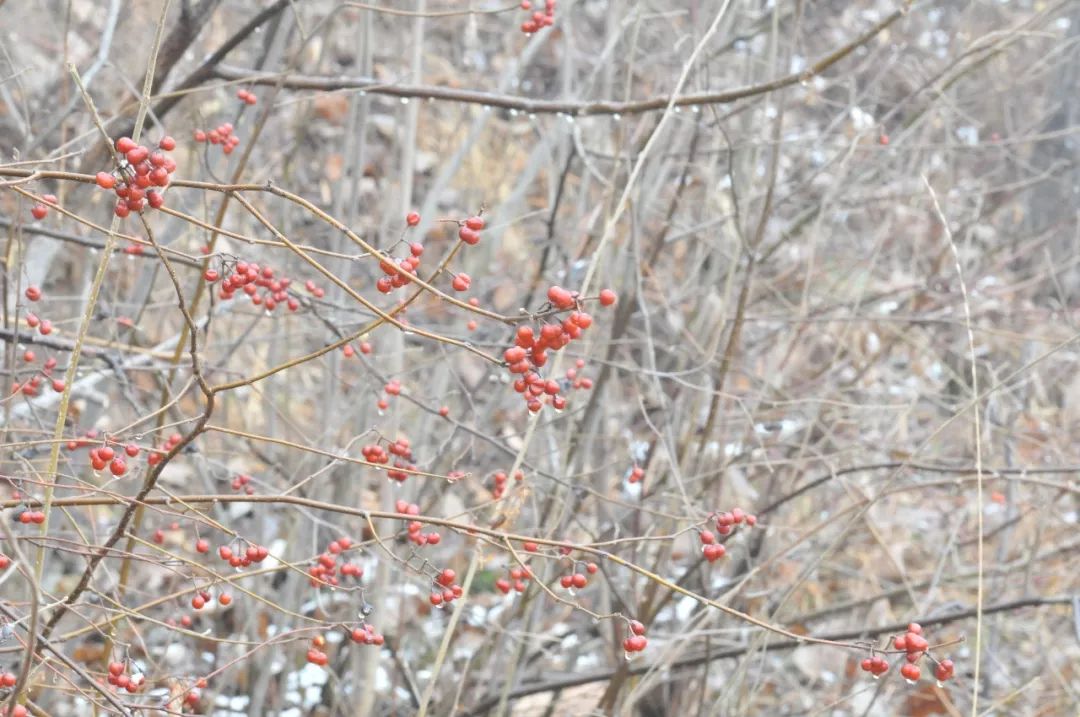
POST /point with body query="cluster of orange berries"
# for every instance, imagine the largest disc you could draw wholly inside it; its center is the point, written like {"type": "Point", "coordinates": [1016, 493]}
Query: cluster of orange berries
{"type": "Point", "coordinates": [392, 388]}
{"type": "Point", "coordinates": [725, 525]}
{"type": "Point", "coordinates": [203, 597]}
{"type": "Point", "coordinates": [140, 170]}
{"type": "Point", "coordinates": [635, 641]}
{"type": "Point", "coordinates": [520, 577]}
{"type": "Point", "coordinates": [249, 278]}
{"type": "Point", "coordinates": [529, 351]}
{"type": "Point", "coordinates": [222, 135]}
{"type": "Point", "coordinates": [395, 278]}
{"type": "Point", "coordinates": [915, 647]}
{"type": "Point", "coordinates": [499, 482]}
{"type": "Point", "coordinates": [105, 455]}
{"type": "Point", "coordinates": [578, 580]}
{"type": "Point", "coordinates": [316, 654]}
{"type": "Point", "coordinates": [445, 590]}
{"type": "Point", "coordinates": [30, 516]}
{"type": "Point", "coordinates": [400, 447]}
{"type": "Point", "coordinates": [241, 481]}
{"type": "Point", "coordinates": [539, 19]}
{"type": "Point", "coordinates": [119, 678]}
{"type": "Point", "coordinates": [415, 528]}
{"type": "Point", "coordinates": [246, 96]}
{"type": "Point", "coordinates": [252, 554]}
{"type": "Point", "coordinates": [44, 326]}
{"type": "Point", "coordinates": [325, 569]}
{"type": "Point", "coordinates": [366, 635]}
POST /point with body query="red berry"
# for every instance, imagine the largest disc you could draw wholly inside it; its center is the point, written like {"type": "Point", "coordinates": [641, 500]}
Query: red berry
{"type": "Point", "coordinates": [118, 467]}
{"type": "Point", "coordinates": [135, 155]}
{"type": "Point", "coordinates": [469, 236]}
{"type": "Point", "coordinates": [560, 297]}
{"type": "Point", "coordinates": [412, 219]}
{"type": "Point", "coordinates": [607, 297]}
{"type": "Point", "coordinates": [33, 293]}
{"type": "Point", "coordinates": [910, 672]}
{"type": "Point", "coordinates": [475, 223]}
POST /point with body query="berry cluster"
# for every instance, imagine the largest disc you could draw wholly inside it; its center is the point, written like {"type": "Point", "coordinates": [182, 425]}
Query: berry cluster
{"type": "Point", "coordinates": [192, 697]}
{"type": "Point", "coordinates": [444, 589]}
{"type": "Point", "coordinates": [246, 96]}
{"type": "Point", "coordinates": [119, 678]}
{"type": "Point", "coordinates": [249, 278]}
{"type": "Point", "coordinates": [201, 598]}
{"type": "Point", "coordinates": [415, 527]}
{"type": "Point", "coordinates": [725, 525]}
{"type": "Point", "coordinates": [575, 380]}
{"type": "Point", "coordinates": [712, 550]}
{"type": "Point", "coordinates": [499, 482]}
{"type": "Point", "coordinates": [40, 210]}
{"type": "Point", "coordinates": [395, 279]}
{"type": "Point", "coordinates": [915, 647]}
{"type": "Point", "coordinates": [392, 388]}
{"type": "Point", "coordinates": [222, 135]}
{"type": "Point", "coordinates": [539, 20]}
{"type": "Point", "coordinates": [252, 554]}
{"type": "Point", "coordinates": [366, 635]}
{"type": "Point", "coordinates": [635, 641]}
{"type": "Point", "coordinates": [529, 351]}
{"type": "Point", "coordinates": [140, 169]}
{"type": "Point", "coordinates": [469, 230]}
{"type": "Point", "coordinates": [241, 481]}
{"type": "Point", "coordinates": [316, 654]}
{"type": "Point", "coordinates": [30, 388]}
{"type": "Point", "coordinates": [106, 456]}
{"type": "Point", "coordinates": [374, 453]}
{"type": "Point", "coordinates": [577, 580]}
{"type": "Point", "coordinates": [44, 327]}
{"type": "Point", "coordinates": [154, 456]}
{"type": "Point", "coordinates": [30, 516]}
{"type": "Point", "coordinates": [520, 577]}
{"type": "Point", "coordinates": [326, 568]}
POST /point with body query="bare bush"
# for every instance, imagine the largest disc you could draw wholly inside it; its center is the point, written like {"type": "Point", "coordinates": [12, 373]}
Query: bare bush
{"type": "Point", "coordinates": [628, 358]}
